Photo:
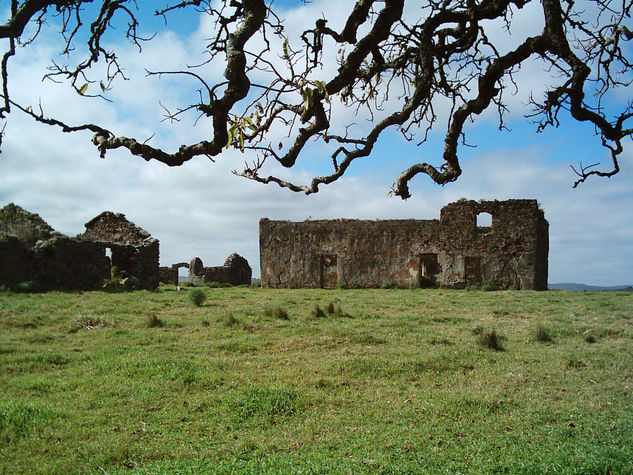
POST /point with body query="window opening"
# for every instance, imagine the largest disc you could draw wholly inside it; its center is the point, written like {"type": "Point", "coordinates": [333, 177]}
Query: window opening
{"type": "Point", "coordinates": [484, 220]}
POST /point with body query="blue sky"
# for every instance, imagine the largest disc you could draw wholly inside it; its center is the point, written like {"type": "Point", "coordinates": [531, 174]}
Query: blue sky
{"type": "Point", "coordinates": [201, 209]}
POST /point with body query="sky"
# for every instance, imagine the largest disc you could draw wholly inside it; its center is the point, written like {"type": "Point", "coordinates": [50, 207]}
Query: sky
{"type": "Point", "coordinates": [202, 209]}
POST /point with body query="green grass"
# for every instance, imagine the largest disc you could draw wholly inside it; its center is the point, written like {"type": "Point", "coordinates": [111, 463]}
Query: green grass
{"type": "Point", "coordinates": [407, 382]}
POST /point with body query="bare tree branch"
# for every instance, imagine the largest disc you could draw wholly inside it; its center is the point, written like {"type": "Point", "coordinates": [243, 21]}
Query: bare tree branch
{"type": "Point", "coordinates": [395, 70]}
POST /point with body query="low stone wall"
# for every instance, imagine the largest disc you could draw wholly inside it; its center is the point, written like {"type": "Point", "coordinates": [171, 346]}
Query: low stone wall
{"type": "Point", "coordinates": [235, 271]}
{"type": "Point", "coordinates": [70, 264]}
{"type": "Point", "coordinates": [168, 275]}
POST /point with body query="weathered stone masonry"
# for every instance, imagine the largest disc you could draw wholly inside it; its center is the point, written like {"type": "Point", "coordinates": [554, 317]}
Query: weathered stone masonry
{"type": "Point", "coordinates": [235, 271]}
{"type": "Point", "coordinates": [30, 250]}
{"type": "Point", "coordinates": [133, 250]}
{"type": "Point", "coordinates": [452, 252]}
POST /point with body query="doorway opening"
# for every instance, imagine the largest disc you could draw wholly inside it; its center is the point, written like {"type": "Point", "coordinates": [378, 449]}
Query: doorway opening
{"type": "Point", "coordinates": [428, 270]}
{"type": "Point", "coordinates": [329, 271]}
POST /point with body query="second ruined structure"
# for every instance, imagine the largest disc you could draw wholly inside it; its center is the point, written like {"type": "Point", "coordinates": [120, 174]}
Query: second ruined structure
{"type": "Point", "coordinates": [235, 271]}
{"type": "Point", "coordinates": [453, 251]}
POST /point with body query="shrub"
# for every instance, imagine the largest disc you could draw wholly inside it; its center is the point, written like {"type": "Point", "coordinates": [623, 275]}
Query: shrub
{"type": "Point", "coordinates": [212, 285]}
{"type": "Point", "coordinates": [277, 312]}
{"type": "Point", "coordinates": [197, 297]}
{"type": "Point", "coordinates": [389, 284]}
{"type": "Point", "coordinates": [590, 338]}
{"type": "Point", "coordinates": [85, 322]}
{"type": "Point", "coordinates": [491, 339]}
{"type": "Point", "coordinates": [110, 285]}
{"type": "Point", "coordinates": [27, 287]}
{"type": "Point", "coordinates": [487, 286]}
{"type": "Point", "coordinates": [333, 311]}
{"type": "Point", "coordinates": [132, 283]}
{"type": "Point", "coordinates": [542, 334]}
{"type": "Point", "coordinates": [154, 322]}
{"type": "Point", "coordinates": [575, 362]}
{"type": "Point", "coordinates": [318, 312]}
{"type": "Point", "coordinates": [341, 285]}
{"type": "Point", "coordinates": [229, 320]}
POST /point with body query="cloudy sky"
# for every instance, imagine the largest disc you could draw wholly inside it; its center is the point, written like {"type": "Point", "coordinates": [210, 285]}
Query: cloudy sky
{"type": "Point", "coordinates": [201, 209]}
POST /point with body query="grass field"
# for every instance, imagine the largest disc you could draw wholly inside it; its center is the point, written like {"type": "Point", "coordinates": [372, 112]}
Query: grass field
{"type": "Point", "coordinates": [257, 381]}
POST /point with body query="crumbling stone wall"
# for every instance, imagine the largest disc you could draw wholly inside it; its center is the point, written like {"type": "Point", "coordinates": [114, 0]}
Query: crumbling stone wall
{"type": "Point", "coordinates": [27, 227]}
{"type": "Point", "coordinates": [69, 264]}
{"type": "Point", "coordinates": [115, 228]}
{"type": "Point", "coordinates": [30, 250]}
{"type": "Point", "coordinates": [15, 261]}
{"type": "Point", "coordinates": [235, 271]}
{"type": "Point", "coordinates": [451, 252]}
{"type": "Point", "coordinates": [169, 275]}
{"type": "Point", "coordinates": [134, 252]}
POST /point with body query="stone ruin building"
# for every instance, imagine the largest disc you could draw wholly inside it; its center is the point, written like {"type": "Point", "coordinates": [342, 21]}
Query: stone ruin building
{"type": "Point", "coordinates": [133, 251]}
{"type": "Point", "coordinates": [235, 271]}
{"type": "Point", "coordinates": [169, 274]}
{"type": "Point", "coordinates": [453, 251]}
{"type": "Point", "coordinates": [30, 250]}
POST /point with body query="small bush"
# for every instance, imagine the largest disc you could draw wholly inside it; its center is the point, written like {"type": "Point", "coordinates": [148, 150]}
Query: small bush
{"type": "Point", "coordinates": [341, 285]}
{"type": "Point", "coordinates": [229, 320]}
{"type": "Point", "coordinates": [110, 285]}
{"type": "Point", "coordinates": [197, 297]}
{"type": "Point", "coordinates": [389, 284]}
{"type": "Point", "coordinates": [487, 286]}
{"type": "Point", "coordinates": [491, 339]}
{"type": "Point", "coordinates": [131, 283]}
{"type": "Point", "coordinates": [85, 322]}
{"type": "Point", "coordinates": [212, 285]}
{"type": "Point", "coordinates": [154, 322]}
{"type": "Point", "coordinates": [575, 363]}
{"type": "Point", "coordinates": [318, 312]}
{"type": "Point", "coordinates": [115, 274]}
{"type": "Point", "coordinates": [28, 286]}
{"type": "Point", "coordinates": [339, 313]}
{"type": "Point", "coordinates": [355, 284]}
{"type": "Point", "coordinates": [330, 309]}
{"type": "Point", "coordinates": [542, 334]}
{"type": "Point", "coordinates": [441, 341]}
{"type": "Point", "coordinates": [276, 312]}
{"type": "Point", "coordinates": [589, 338]}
